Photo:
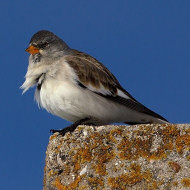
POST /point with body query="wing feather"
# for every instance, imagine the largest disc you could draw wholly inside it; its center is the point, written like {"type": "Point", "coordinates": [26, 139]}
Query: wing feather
{"type": "Point", "coordinates": [94, 76]}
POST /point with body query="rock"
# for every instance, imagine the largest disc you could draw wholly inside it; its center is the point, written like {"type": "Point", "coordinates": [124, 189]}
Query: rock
{"type": "Point", "coordinates": [152, 156]}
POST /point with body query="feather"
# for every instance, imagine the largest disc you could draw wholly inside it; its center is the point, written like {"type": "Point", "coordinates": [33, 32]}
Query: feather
{"type": "Point", "coordinates": [94, 76]}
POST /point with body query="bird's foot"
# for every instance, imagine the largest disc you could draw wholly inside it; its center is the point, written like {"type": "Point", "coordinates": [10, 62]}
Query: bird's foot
{"type": "Point", "coordinates": [70, 128]}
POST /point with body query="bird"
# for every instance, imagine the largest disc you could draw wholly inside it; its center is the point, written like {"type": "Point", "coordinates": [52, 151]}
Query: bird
{"type": "Point", "coordinates": [78, 88]}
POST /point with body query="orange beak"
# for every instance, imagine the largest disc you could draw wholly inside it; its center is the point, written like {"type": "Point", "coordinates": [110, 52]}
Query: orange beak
{"type": "Point", "coordinates": [32, 50]}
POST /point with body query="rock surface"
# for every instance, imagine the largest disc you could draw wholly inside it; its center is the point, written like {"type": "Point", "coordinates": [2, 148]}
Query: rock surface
{"type": "Point", "coordinates": [112, 157]}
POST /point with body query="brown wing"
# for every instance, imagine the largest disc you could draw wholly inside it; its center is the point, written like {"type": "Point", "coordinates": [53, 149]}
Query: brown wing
{"type": "Point", "coordinates": [91, 72]}
{"type": "Point", "coordinates": [94, 75]}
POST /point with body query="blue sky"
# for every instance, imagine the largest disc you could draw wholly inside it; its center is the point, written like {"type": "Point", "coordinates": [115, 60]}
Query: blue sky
{"type": "Point", "coordinates": [144, 43]}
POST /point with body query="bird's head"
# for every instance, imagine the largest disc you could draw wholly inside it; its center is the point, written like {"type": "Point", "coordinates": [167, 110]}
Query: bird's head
{"type": "Point", "coordinates": [46, 43]}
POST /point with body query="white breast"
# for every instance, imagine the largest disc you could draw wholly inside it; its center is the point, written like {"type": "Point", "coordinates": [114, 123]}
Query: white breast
{"type": "Point", "coordinates": [59, 98]}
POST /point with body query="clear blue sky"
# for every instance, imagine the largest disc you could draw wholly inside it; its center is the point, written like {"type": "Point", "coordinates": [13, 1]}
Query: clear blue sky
{"type": "Point", "coordinates": [146, 44]}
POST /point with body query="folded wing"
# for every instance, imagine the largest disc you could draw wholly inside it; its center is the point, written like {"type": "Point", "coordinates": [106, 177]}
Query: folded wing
{"type": "Point", "coordinates": [96, 77]}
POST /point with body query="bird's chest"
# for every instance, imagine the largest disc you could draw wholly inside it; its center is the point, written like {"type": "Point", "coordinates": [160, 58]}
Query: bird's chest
{"type": "Point", "coordinates": [51, 89]}
{"type": "Point", "coordinates": [59, 94]}
{"type": "Point", "coordinates": [50, 94]}
{"type": "Point", "coordinates": [59, 97]}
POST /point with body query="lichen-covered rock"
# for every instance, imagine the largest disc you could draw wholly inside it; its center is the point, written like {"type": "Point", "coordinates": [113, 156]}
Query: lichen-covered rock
{"type": "Point", "coordinates": [110, 157]}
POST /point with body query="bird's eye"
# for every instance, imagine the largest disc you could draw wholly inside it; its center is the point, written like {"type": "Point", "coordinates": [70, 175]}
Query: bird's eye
{"type": "Point", "coordinates": [43, 45]}
{"type": "Point", "coordinates": [46, 44]}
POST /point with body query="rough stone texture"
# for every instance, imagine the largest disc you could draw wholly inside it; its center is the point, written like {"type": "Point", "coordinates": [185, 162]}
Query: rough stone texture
{"type": "Point", "coordinates": [119, 158]}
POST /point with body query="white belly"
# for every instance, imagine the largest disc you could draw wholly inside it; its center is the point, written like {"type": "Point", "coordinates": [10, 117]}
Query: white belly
{"type": "Point", "coordinates": [73, 103]}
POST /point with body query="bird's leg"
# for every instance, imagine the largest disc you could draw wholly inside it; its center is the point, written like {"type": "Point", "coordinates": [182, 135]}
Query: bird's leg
{"type": "Point", "coordinates": [70, 128]}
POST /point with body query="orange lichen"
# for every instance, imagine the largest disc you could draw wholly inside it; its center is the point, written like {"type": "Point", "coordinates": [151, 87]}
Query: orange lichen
{"type": "Point", "coordinates": [95, 182]}
{"type": "Point", "coordinates": [66, 169]}
{"type": "Point", "coordinates": [95, 140]}
{"type": "Point", "coordinates": [171, 131]}
{"type": "Point", "coordinates": [86, 154]}
{"type": "Point", "coordinates": [135, 148]}
{"type": "Point", "coordinates": [82, 187]}
{"type": "Point", "coordinates": [168, 145]}
{"type": "Point", "coordinates": [57, 149]}
{"type": "Point", "coordinates": [188, 131]}
{"type": "Point", "coordinates": [57, 183]}
{"type": "Point", "coordinates": [186, 182]}
{"type": "Point", "coordinates": [100, 168]}
{"type": "Point", "coordinates": [77, 166]}
{"type": "Point", "coordinates": [125, 147]}
{"type": "Point", "coordinates": [141, 143]}
{"type": "Point", "coordinates": [52, 172]}
{"type": "Point", "coordinates": [111, 138]}
{"type": "Point", "coordinates": [129, 179]}
{"type": "Point", "coordinates": [52, 137]}
{"type": "Point", "coordinates": [175, 166]}
{"type": "Point", "coordinates": [80, 128]}
{"type": "Point", "coordinates": [124, 180]}
{"type": "Point", "coordinates": [83, 155]}
{"type": "Point", "coordinates": [158, 155]}
{"type": "Point", "coordinates": [175, 183]}
{"type": "Point", "coordinates": [114, 133]}
{"type": "Point", "coordinates": [75, 183]}
{"type": "Point", "coordinates": [182, 142]}
{"type": "Point", "coordinates": [102, 155]}
{"type": "Point", "coordinates": [154, 185]}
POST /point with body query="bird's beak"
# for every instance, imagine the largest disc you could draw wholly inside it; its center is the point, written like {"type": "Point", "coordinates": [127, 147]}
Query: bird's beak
{"type": "Point", "coordinates": [32, 50]}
